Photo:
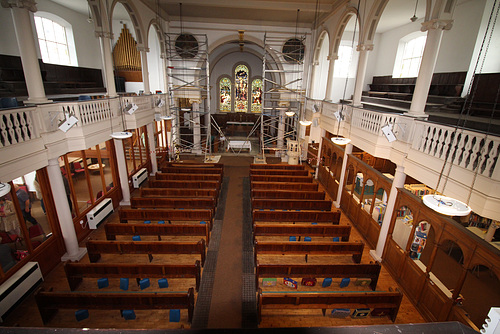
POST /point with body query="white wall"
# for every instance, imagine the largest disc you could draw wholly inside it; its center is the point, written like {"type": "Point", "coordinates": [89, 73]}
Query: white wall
{"type": "Point", "coordinates": [87, 45]}
{"type": "Point", "coordinates": [456, 46]}
{"type": "Point", "coordinates": [8, 42]}
{"type": "Point", "coordinates": [155, 67]}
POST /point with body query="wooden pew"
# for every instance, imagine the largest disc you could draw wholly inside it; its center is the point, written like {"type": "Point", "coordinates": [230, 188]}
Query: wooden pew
{"type": "Point", "coordinates": [311, 195]}
{"type": "Point", "coordinates": [173, 203]}
{"type": "Point", "coordinates": [296, 216]}
{"type": "Point", "coordinates": [306, 300]}
{"type": "Point", "coordinates": [191, 170]}
{"type": "Point", "coordinates": [309, 248]}
{"type": "Point", "coordinates": [192, 165]}
{"type": "Point", "coordinates": [279, 178]}
{"type": "Point", "coordinates": [276, 166]}
{"type": "Point", "coordinates": [371, 271]}
{"type": "Point", "coordinates": [289, 172]}
{"type": "Point", "coordinates": [114, 229]}
{"type": "Point", "coordinates": [49, 302]}
{"type": "Point", "coordinates": [188, 177]}
{"type": "Point", "coordinates": [168, 215]}
{"type": "Point", "coordinates": [75, 272]}
{"type": "Point", "coordinates": [330, 231]}
{"type": "Point", "coordinates": [178, 192]}
{"type": "Point", "coordinates": [291, 204]}
{"type": "Point", "coordinates": [185, 184]}
{"type": "Point", "coordinates": [97, 247]}
{"type": "Point", "coordinates": [296, 186]}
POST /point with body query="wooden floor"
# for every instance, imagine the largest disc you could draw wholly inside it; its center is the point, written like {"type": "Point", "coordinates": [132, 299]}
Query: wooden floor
{"type": "Point", "coordinates": [27, 315]}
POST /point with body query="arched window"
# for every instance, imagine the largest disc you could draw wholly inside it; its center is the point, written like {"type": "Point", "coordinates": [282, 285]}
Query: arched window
{"type": "Point", "coordinates": [257, 95]}
{"type": "Point", "coordinates": [409, 55]}
{"type": "Point", "coordinates": [225, 94]}
{"type": "Point", "coordinates": [55, 37]}
{"type": "Point", "coordinates": [241, 88]}
{"type": "Point", "coordinates": [343, 62]}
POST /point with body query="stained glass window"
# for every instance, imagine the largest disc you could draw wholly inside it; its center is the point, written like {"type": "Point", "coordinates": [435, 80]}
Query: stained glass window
{"type": "Point", "coordinates": [225, 94]}
{"type": "Point", "coordinates": [241, 88]}
{"type": "Point", "coordinates": [257, 95]}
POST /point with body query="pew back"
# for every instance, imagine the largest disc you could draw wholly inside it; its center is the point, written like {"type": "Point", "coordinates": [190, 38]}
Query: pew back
{"type": "Point", "coordinates": [195, 215]}
{"type": "Point", "coordinates": [282, 194]}
{"type": "Point", "coordinates": [188, 177]}
{"type": "Point", "coordinates": [174, 203]}
{"type": "Point", "coordinates": [281, 178]}
{"type": "Point", "coordinates": [291, 204]}
{"type": "Point", "coordinates": [342, 231]}
{"type": "Point", "coordinates": [178, 192]}
{"type": "Point", "coordinates": [276, 166]}
{"type": "Point", "coordinates": [185, 184]}
{"type": "Point", "coordinates": [190, 170]}
{"type": "Point", "coordinates": [296, 216]}
{"type": "Point", "coordinates": [114, 229]}
{"type": "Point", "coordinates": [289, 172]}
{"type": "Point", "coordinates": [296, 186]}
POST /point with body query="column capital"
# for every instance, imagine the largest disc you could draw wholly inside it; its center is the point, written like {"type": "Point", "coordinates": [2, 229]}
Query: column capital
{"type": "Point", "coordinates": [163, 55]}
{"type": "Point", "coordinates": [436, 24]}
{"type": "Point", "coordinates": [364, 47]}
{"type": "Point", "coordinates": [142, 49]}
{"type": "Point", "coordinates": [191, 101]}
{"type": "Point", "coordinates": [332, 56]}
{"type": "Point", "coordinates": [27, 4]}
{"type": "Point", "coordinates": [104, 34]}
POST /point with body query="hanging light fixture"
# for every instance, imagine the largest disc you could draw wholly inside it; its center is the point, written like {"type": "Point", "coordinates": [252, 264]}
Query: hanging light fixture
{"type": "Point", "coordinates": [305, 123]}
{"type": "Point", "coordinates": [121, 135]}
{"type": "Point", "coordinates": [289, 113]}
{"type": "Point", "coordinates": [414, 17]}
{"type": "Point", "coordinates": [446, 205]}
{"type": "Point", "coordinates": [4, 189]}
{"type": "Point", "coordinates": [167, 118]}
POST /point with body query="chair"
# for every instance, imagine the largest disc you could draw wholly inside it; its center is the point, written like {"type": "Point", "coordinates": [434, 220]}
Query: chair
{"type": "Point", "coordinates": [78, 168]}
{"type": "Point", "coordinates": [34, 232]}
{"type": "Point", "coordinates": [84, 98]}
{"type": "Point", "coordinates": [9, 238]}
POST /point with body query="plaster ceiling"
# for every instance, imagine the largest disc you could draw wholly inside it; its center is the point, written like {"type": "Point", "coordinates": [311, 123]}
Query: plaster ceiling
{"type": "Point", "coordinates": [262, 12]}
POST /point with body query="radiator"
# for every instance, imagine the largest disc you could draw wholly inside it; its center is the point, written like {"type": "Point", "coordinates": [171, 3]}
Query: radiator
{"type": "Point", "coordinates": [139, 177]}
{"type": "Point", "coordinates": [20, 285]}
{"type": "Point", "coordinates": [98, 214]}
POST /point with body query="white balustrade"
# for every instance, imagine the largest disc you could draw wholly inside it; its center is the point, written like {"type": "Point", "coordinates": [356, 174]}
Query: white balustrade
{"type": "Point", "coordinates": [88, 112]}
{"type": "Point", "coordinates": [17, 126]}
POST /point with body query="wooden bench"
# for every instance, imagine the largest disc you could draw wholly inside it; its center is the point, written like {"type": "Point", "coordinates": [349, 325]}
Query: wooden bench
{"type": "Point", "coordinates": [279, 178]}
{"type": "Point", "coordinates": [191, 170]}
{"type": "Point", "coordinates": [173, 203]}
{"type": "Point", "coordinates": [193, 165]}
{"type": "Point", "coordinates": [276, 166]}
{"type": "Point", "coordinates": [178, 192]}
{"type": "Point", "coordinates": [185, 184]}
{"type": "Point", "coordinates": [309, 248]}
{"type": "Point", "coordinates": [329, 231]}
{"type": "Point", "coordinates": [188, 177]}
{"type": "Point", "coordinates": [168, 215]}
{"type": "Point", "coordinates": [306, 300]}
{"type": "Point", "coordinates": [311, 195]}
{"type": "Point", "coordinates": [114, 229]}
{"type": "Point", "coordinates": [49, 302]}
{"type": "Point", "coordinates": [296, 216]}
{"type": "Point", "coordinates": [75, 272]}
{"type": "Point", "coordinates": [289, 172]}
{"type": "Point", "coordinates": [297, 186]}
{"type": "Point", "coordinates": [291, 204]}
{"type": "Point", "coordinates": [371, 271]}
{"type": "Point", "coordinates": [97, 247]}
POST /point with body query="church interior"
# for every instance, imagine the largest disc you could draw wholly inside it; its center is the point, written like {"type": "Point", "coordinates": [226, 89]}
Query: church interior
{"type": "Point", "coordinates": [316, 165]}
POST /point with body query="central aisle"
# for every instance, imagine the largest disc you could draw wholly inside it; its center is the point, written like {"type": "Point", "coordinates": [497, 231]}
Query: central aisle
{"type": "Point", "coordinates": [226, 303]}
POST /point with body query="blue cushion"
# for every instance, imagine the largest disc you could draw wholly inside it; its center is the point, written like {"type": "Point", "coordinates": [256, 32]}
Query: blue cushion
{"type": "Point", "coordinates": [314, 223]}
{"type": "Point", "coordinates": [292, 239]}
{"type": "Point", "coordinates": [144, 283]}
{"type": "Point", "coordinates": [327, 282]}
{"type": "Point", "coordinates": [8, 102]}
{"type": "Point", "coordinates": [175, 315]}
{"type": "Point", "coordinates": [203, 222]}
{"type": "Point", "coordinates": [136, 238]}
{"type": "Point", "coordinates": [147, 222]}
{"type": "Point", "coordinates": [336, 239]}
{"type": "Point", "coordinates": [307, 238]}
{"type": "Point", "coordinates": [81, 315]}
{"type": "Point", "coordinates": [271, 210]}
{"type": "Point", "coordinates": [161, 222]}
{"type": "Point", "coordinates": [102, 283]}
{"type": "Point", "coordinates": [124, 283]}
{"type": "Point", "coordinates": [128, 314]}
{"type": "Point", "coordinates": [345, 282]}
{"type": "Point", "coordinates": [163, 283]}
{"type": "Point", "coordinates": [84, 98]}
{"type": "Point", "coordinates": [297, 210]}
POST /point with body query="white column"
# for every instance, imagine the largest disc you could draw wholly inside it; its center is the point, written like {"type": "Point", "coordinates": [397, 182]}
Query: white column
{"type": "Point", "coordinates": [431, 51]}
{"type": "Point", "coordinates": [122, 171]}
{"type": "Point", "coordinates": [196, 126]}
{"type": "Point", "coordinates": [144, 67]}
{"type": "Point", "coordinates": [398, 182]}
{"type": "Point", "coordinates": [361, 72]}
{"type": "Point", "coordinates": [347, 151]}
{"type": "Point", "coordinates": [152, 148]}
{"type": "Point", "coordinates": [107, 61]}
{"type": "Point", "coordinates": [73, 252]}
{"type": "Point", "coordinates": [329, 80]}
{"type": "Point", "coordinates": [27, 48]}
